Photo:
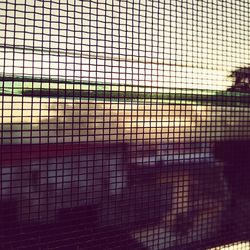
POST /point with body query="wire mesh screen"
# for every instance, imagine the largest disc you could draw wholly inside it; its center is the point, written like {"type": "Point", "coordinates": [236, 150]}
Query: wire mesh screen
{"type": "Point", "coordinates": [124, 124]}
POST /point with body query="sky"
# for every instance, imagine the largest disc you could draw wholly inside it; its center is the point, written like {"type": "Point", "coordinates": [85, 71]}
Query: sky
{"type": "Point", "coordinates": [153, 44]}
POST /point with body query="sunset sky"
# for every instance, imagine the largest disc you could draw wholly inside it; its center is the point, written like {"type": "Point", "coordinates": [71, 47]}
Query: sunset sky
{"type": "Point", "coordinates": [187, 44]}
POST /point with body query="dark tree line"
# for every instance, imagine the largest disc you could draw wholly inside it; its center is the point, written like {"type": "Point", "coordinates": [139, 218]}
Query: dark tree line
{"type": "Point", "coordinates": [241, 78]}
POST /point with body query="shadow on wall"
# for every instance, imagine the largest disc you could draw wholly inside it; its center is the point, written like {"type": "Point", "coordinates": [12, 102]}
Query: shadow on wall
{"type": "Point", "coordinates": [236, 158]}
{"type": "Point", "coordinates": [200, 188]}
{"type": "Point", "coordinates": [157, 204]}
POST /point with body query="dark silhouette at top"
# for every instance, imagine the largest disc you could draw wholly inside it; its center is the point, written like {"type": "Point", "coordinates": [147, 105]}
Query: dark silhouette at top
{"type": "Point", "coordinates": [242, 80]}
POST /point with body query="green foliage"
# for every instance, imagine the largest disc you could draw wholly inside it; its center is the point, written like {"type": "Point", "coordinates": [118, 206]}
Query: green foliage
{"type": "Point", "coordinates": [221, 98]}
{"type": "Point", "coordinates": [37, 87]}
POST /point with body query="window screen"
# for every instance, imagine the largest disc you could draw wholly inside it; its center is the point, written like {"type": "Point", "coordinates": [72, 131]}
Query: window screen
{"type": "Point", "coordinates": [124, 124]}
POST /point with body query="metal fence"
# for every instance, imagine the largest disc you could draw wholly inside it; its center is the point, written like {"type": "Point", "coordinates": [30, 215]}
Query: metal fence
{"type": "Point", "coordinates": [124, 124]}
